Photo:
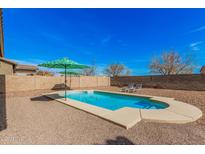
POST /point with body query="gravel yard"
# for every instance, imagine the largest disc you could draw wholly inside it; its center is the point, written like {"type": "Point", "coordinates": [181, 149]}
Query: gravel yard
{"type": "Point", "coordinates": [34, 119]}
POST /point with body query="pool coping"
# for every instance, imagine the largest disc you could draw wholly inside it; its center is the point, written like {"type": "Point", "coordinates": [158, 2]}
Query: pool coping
{"type": "Point", "coordinates": [177, 112]}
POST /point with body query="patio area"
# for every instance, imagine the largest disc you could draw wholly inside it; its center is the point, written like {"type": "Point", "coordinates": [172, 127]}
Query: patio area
{"type": "Point", "coordinates": [33, 119]}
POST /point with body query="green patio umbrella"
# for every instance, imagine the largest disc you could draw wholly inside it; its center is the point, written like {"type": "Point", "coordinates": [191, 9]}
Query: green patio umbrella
{"type": "Point", "coordinates": [65, 64]}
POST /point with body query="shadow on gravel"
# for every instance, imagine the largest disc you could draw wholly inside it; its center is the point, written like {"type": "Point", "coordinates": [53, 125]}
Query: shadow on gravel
{"type": "Point", "coordinates": [120, 140]}
{"type": "Point", "coordinates": [3, 120]}
{"type": "Point", "coordinates": [61, 86]}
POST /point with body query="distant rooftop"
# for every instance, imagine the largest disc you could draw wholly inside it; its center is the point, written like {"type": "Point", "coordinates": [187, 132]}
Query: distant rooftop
{"type": "Point", "coordinates": [25, 67]}
{"type": "Point", "coordinates": [7, 61]}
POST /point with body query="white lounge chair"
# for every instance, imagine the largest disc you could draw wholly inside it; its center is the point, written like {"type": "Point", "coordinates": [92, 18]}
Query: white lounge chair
{"type": "Point", "coordinates": [131, 88]}
{"type": "Point", "coordinates": [138, 85]}
{"type": "Point", "coordinates": [126, 89]}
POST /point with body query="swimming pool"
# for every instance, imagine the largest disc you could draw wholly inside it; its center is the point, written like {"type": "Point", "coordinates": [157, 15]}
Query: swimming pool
{"type": "Point", "coordinates": [128, 109]}
{"type": "Point", "coordinates": [113, 101]}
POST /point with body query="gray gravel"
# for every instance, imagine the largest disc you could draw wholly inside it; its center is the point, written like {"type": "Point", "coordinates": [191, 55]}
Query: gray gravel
{"type": "Point", "coordinates": [33, 119]}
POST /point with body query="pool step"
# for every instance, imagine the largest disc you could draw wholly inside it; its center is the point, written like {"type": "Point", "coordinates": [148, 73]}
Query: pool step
{"type": "Point", "coordinates": [126, 117]}
{"type": "Point", "coordinates": [164, 116]}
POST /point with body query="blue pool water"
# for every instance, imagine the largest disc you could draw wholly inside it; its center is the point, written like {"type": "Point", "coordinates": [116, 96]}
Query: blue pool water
{"type": "Point", "coordinates": [112, 101]}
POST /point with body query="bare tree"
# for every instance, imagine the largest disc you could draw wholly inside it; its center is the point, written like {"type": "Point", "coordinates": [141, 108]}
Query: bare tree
{"type": "Point", "coordinates": [172, 63]}
{"type": "Point", "coordinates": [89, 71]}
{"type": "Point", "coordinates": [116, 69]}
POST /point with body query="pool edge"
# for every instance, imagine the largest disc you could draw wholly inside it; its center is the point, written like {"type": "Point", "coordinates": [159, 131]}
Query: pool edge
{"type": "Point", "coordinates": [177, 112]}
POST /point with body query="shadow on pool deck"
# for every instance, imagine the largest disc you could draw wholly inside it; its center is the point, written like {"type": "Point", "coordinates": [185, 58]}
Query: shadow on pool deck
{"type": "Point", "coordinates": [44, 98]}
{"type": "Point", "coordinates": [3, 118]}
{"type": "Point", "coordinates": [120, 140]}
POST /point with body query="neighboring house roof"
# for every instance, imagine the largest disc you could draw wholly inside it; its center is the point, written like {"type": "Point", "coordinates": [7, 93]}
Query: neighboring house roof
{"type": "Point", "coordinates": [202, 69]}
{"type": "Point", "coordinates": [20, 67]}
{"type": "Point", "coordinates": [1, 35]}
{"type": "Point", "coordinates": [17, 67]}
{"type": "Point", "coordinates": [7, 61]}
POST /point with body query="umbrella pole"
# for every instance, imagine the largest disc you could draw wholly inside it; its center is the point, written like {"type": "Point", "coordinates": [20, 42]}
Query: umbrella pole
{"type": "Point", "coordinates": [70, 81]}
{"type": "Point", "coordinates": [65, 83]}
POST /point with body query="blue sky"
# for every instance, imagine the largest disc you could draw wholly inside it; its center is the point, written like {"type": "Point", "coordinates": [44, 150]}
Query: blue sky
{"type": "Point", "coordinates": [103, 36]}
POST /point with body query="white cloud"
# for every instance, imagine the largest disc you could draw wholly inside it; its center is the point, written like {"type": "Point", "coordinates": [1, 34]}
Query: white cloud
{"type": "Point", "coordinates": [195, 48]}
{"type": "Point", "coordinates": [198, 29]}
{"type": "Point", "coordinates": [196, 43]}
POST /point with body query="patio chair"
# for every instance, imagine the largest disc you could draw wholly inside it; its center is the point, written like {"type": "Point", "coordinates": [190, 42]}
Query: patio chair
{"type": "Point", "coordinates": [126, 89]}
{"type": "Point", "coordinates": [132, 88]}
{"type": "Point", "coordinates": [138, 85]}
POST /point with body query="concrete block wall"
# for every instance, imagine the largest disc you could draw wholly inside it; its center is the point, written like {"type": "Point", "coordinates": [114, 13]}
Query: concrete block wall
{"type": "Point", "coordinates": [11, 83]}
{"type": "Point", "coordinates": [6, 68]}
{"type": "Point", "coordinates": [181, 82]}
{"type": "Point", "coordinates": [103, 81]}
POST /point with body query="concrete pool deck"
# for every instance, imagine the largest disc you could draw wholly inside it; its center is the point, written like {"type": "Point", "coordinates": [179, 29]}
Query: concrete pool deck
{"type": "Point", "coordinates": [177, 112]}
{"type": "Point", "coordinates": [35, 119]}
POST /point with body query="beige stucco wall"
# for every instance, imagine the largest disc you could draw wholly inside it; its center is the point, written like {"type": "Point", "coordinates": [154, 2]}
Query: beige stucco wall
{"type": "Point", "coordinates": [25, 83]}
{"type": "Point", "coordinates": [42, 82]}
{"type": "Point", "coordinates": [88, 81]}
{"type": "Point", "coordinates": [6, 68]}
{"type": "Point", "coordinates": [19, 83]}
{"type": "Point", "coordinates": [103, 81]}
{"type": "Point", "coordinates": [75, 82]}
